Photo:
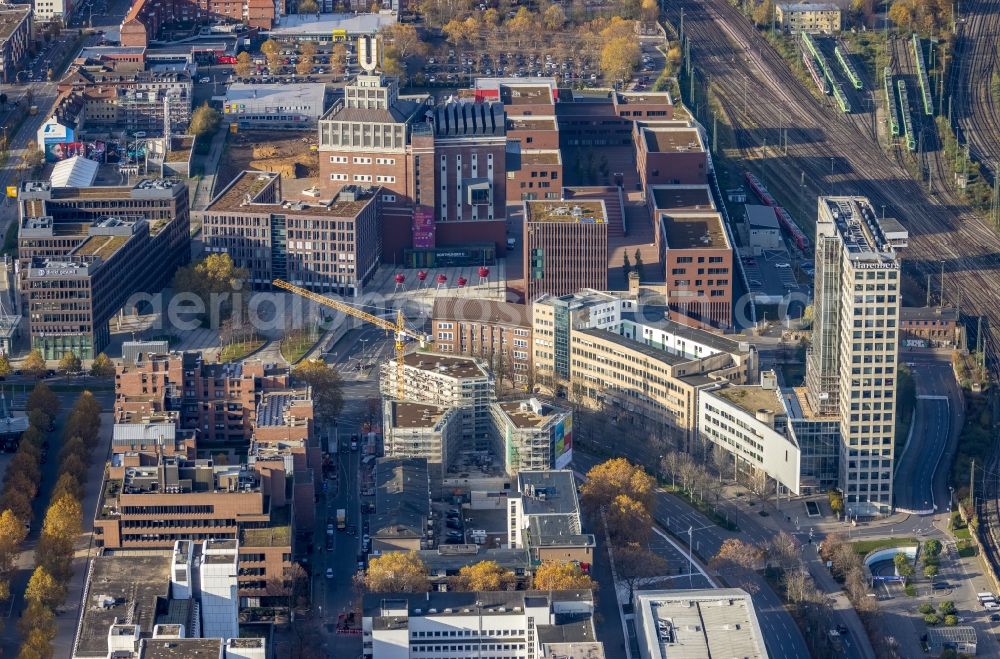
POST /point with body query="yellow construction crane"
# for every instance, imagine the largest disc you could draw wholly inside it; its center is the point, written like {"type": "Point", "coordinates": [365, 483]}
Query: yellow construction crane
{"type": "Point", "coordinates": [400, 329]}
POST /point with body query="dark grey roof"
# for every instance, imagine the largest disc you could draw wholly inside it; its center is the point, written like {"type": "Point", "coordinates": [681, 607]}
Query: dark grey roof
{"type": "Point", "coordinates": [761, 217]}
{"type": "Point", "coordinates": [481, 311]}
{"type": "Point", "coordinates": [557, 531]}
{"type": "Point", "coordinates": [443, 559]}
{"type": "Point", "coordinates": [402, 501]}
{"type": "Point", "coordinates": [548, 492]}
{"type": "Point", "coordinates": [577, 631]}
{"type": "Point", "coordinates": [401, 112]}
{"type": "Point", "coordinates": [181, 648]}
{"type": "Point", "coordinates": [464, 119]}
{"type": "Point", "coordinates": [929, 313]}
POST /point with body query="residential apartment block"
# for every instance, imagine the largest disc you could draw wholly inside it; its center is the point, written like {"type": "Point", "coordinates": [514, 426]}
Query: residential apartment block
{"type": "Point", "coordinates": [47, 10]}
{"type": "Point", "coordinates": [813, 17]}
{"type": "Point", "coordinates": [148, 20]}
{"type": "Point", "coordinates": [531, 435]}
{"type": "Point", "coordinates": [447, 381]}
{"type": "Point", "coordinates": [332, 246]}
{"type": "Point", "coordinates": [493, 625]}
{"type": "Point", "coordinates": [565, 247]}
{"type": "Point", "coordinates": [15, 38]}
{"type": "Point", "coordinates": [421, 430]}
{"type": "Point", "coordinates": [220, 401]}
{"type": "Point", "coordinates": [112, 102]}
{"type": "Point", "coordinates": [497, 332]}
{"type": "Point", "coordinates": [851, 364]}
{"type": "Point", "coordinates": [83, 252]}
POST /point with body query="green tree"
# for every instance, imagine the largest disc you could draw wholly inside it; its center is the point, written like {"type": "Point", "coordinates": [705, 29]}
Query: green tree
{"type": "Point", "coordinates": [204, 121]}
{"type": "Point", "coordinates": [68, 483]}
{"type": "Point", "coordinates": [33, 156]}
{"type": "Point", "coordinates": [308, 7]}
{"type": "Point", "coordinates": [5, 367]}
{"type": "Point", "coordinates": [70, 363]}
{"type": "Point", "coordinates": [34, 364]}
{"type": "Point", "coordinates": [102, 367]}
{"type": "Point", "coordinates": [327, 387]}
{"type": "Point", "coordinates": [763, 13]}
{"type": "Point", "coordinates": [946, 608]}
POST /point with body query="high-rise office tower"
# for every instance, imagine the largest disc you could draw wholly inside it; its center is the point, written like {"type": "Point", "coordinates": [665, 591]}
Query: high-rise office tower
{"type": "Point", "coordinates": [851, 366]}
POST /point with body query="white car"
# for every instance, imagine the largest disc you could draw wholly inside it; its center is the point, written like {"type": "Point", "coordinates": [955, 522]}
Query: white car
{"type": "Point", "coordinates": [205, 79]}
{"type": "Point", "coordinates": [329, 529]}
{"type": "Point", "coordinates": [329, 573]}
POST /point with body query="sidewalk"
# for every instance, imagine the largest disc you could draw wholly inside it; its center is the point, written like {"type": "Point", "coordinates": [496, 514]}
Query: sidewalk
{"type": "Point", "coordinates": [69, 614]}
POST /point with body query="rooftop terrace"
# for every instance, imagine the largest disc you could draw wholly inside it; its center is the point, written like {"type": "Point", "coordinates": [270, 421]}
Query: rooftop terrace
{"type": "Point", "coordinates": [751, 398]}
{"type": "Point", "coordinates": [101, 246]}
{"type": "Point", "coordinates": [242, 195]}
{"type": "Point", "coordinates": [529, 413]}
{"type": "Point", "coordinates": [278, 532]}
{"type": "Point", "coordinates": [572, 211]}
{"type": "Point", "coordinates": [406, 414]}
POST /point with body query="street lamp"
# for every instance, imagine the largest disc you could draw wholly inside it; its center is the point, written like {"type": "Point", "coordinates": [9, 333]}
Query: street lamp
{"type": "Point", "coordinates": [690, 558]}
{"type": "Point", "coordinates": [951, 498]}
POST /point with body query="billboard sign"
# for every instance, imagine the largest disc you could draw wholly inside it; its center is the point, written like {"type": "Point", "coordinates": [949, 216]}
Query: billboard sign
{"type": "Point", "coordinates": [562, 443]}
{"type": "Point", "coordinates": [423, 227]}
{"type": "Point", "coordinates": [63, 150]}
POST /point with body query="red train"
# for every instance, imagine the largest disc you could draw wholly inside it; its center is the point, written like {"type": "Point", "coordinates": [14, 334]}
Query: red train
{"type": "Point", "coordinates": [784, 219]}
{"type": "Point", "coordinates": [759, 190]}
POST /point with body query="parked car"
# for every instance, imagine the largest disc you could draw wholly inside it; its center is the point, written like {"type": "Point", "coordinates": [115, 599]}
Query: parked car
{"type": "Point", "coordinates": [329, 573]}
{"type": "Point", "coordinates": [329, 529]}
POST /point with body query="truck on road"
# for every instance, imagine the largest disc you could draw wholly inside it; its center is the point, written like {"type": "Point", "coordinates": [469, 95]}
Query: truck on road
{"type": "Point", "coordinates": [341, 519]}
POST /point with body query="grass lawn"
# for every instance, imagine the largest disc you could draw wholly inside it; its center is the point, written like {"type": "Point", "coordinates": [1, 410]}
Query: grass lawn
{"type": "Point", "coordinates": [293, 347]}
{"type": "Point", "coordinates": [862, 547]}
{"type": "Point", "coordinates": [236, 351]}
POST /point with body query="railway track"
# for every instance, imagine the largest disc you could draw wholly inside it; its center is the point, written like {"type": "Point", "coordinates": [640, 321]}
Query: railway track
{"type": "Point", "coordinates": [975, 109]}
{"type": "Point", "coordinates": [837, 156]}
{"type": "Point", "coordinates": [988, 511]}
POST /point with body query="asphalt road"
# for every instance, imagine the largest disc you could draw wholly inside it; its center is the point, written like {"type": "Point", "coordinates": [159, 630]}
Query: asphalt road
{"type": "Point", "coordinates": [10, 639]}
{"type": "Point", "coordinates": [781, 636]}
{"type": "Point", "coordinates": [922, 467]}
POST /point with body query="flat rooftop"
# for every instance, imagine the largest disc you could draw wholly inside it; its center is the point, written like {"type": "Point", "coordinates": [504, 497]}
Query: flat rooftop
{"type": "Point", "coordinates": [456, 367]}
{"type": "Point", "coordinates": [624, 98]}
{"type": "Point", "coordinates": [407, 414]}
{"type": "Point", "coordinates": [250, 185]}
{"type": "Point", "coordinates": [526, 94]}
{"type": "Point", "coordinates": [279, 96]}
{"type": "Point", "coordinates": [521, 122]}
{"type": "Point", "coordinates": [10, 18]}
{"type": "Point", "coordinates": [570, 211]}
{"type": "Point", "coordinates": [540, 158]}
{"type": "Point", "coordinates": [798, 407]}
{"type": "Point", "coordinates": [277, 533]}
{"type": "Point", "coordinates": [533, 413]}
{"type": "Point", "coordinates": [751, 398]}
{"type": "Point", "coordinates": [102, 247]}
{"type": "Point", "coordinates": [696, 231]}
{"type": "Point", "coordinates": [122, 583]}
{"type": "Point", "coordinates": [548, 492]}
{"type": "Point", "coordinates": [182, 648]}
{"type": "Point", "coordinates": [681, 198]}
{"type": "Point", "coordinates": [693, 624]}
{"type": "Point", "coordinates": [662, 356]}
{"type": "Point", "coordinates": [672, 140]}
{"type": "Point", "coordinates": [295, 25]}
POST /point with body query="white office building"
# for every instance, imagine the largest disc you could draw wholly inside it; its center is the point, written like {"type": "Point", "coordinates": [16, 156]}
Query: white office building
{"type": "Point", "coordinates": [851, 365]}
{"type": "Point", "coordinates": [219, 589]}
{"type": "Point", "coordinates": [674, 624]}
{"type": "Point", "coordinates": [490, 625]}
{"type": "Point", "coordinates": [749, 423]}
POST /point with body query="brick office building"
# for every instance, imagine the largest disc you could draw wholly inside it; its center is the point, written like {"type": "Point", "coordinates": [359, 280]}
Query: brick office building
{"type": "Point", "coordinates": [698, 258]}
{"type": "Point", "coordinates": [565, 247]}
{"type": "Point", "coordinates": [499, 332]}
{"type": "Point", "coordinates": [328, 246]}
{"type": "Point", "coordinates": [672, 154]}
{"type": "Point", "coordinates": [83, 252]}
{"type": "Point", "coordinates": [147, 19]}
{"type": "Point", "coordinates": [220, 401]}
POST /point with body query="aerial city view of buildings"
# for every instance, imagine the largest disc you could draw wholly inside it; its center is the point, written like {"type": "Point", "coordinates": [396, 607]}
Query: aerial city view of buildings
{"type": "Point", "coordinates": [511, 330]}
